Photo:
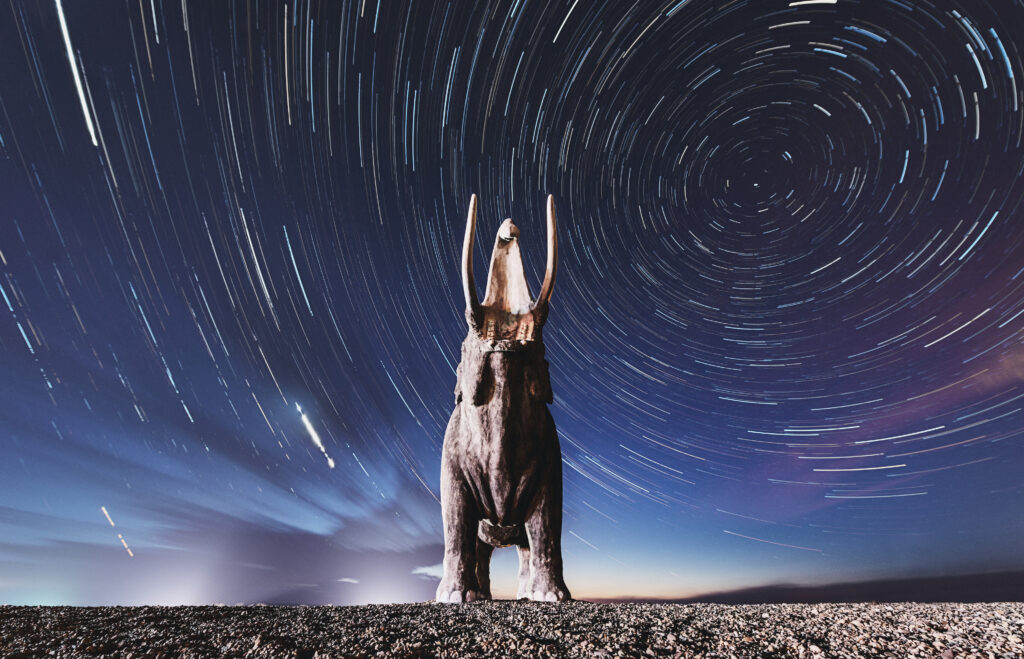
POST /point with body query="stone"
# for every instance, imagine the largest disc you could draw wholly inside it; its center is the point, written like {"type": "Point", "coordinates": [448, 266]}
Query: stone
{"type": "Point", "coordinates": [501, 464]}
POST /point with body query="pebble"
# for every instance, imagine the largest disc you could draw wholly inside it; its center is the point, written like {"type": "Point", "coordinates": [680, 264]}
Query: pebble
{"type": "Point", "coordinates": [508, 628]}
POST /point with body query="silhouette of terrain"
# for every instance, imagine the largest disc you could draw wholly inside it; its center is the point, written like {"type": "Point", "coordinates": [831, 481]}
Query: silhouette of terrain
{"type": "Point", "coordinates": [981, 587]}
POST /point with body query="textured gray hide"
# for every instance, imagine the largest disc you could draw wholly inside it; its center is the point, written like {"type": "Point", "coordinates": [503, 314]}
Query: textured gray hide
{"type": "Point", "coordinates": [501, 465]}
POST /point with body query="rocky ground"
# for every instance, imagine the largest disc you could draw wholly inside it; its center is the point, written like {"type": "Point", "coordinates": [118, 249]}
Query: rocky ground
{"type": "Point", "coordinates": [492, 629]}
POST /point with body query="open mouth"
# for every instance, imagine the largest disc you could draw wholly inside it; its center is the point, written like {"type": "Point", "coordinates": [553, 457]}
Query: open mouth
{"type": "Point", "coordinates": [507, 289]}
{"type": "Point", "coordinates": [508, 231]}
{"type": "Point", "coordinates": [508, 312]}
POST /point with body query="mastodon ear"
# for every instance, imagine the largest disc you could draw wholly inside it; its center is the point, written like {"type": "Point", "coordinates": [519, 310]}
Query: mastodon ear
{"type": "Point", "coordinates": [549, 274]}
{"type": "Point", "coordinates": [475, 381]}
{"type": "Point", "coordinates": [538, 383]}
{"type": "Point", "coordinates": [473, 315]}
{"type": "Point", "coordinates": [483, 384]}
{"type": "Point", "coordinates": [458, 384]}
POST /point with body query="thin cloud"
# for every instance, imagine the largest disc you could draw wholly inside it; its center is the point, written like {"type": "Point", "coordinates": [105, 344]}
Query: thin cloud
{"type": "Point", "coordinates": [429, 571]}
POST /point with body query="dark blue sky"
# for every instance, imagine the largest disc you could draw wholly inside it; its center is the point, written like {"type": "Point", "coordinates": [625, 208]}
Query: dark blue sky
{"type": "Point", "coordinates": [785, 342]}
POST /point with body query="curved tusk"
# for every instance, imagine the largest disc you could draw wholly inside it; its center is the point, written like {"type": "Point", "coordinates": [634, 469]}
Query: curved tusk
{"type": "Point", "coordinates": [468, 285]}
{"type": "Point", "coordinates": [549, 274]}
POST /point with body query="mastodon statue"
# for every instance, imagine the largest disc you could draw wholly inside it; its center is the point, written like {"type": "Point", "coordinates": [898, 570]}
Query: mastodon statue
{"type": "Point", "coordinates": [501, 466]}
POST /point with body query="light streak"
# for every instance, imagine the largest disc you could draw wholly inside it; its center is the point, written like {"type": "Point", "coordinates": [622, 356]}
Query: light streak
{"type": "Point", "coordinates": [565, 21]}
{"type": "Point", "coordinates": [126, 547]}
{"type": "Point", "coordinates": [584, 541]}
{"type": "Point", "coordinates": [315, 436]}
{"type": "Point", "coordinates": [863, 468]}
{"type": "Point", "coordinates": [945, 336]}
{"type": "Point", "coordinates": [119, 536]}
{"type": "Point", "coordinates": [874, 496]}
{"type": "Point", "coordinates": [74, 70]}
{"type": "Point", "coordinates": [909, 434]}
{"type": "Point", "coordinates": [779, 544]}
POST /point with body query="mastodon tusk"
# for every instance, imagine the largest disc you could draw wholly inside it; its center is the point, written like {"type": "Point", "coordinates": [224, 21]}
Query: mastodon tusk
{"type": "Point", "coordinates": [549, 274]}
{"type": "Point", "coordinates": [468, 285]}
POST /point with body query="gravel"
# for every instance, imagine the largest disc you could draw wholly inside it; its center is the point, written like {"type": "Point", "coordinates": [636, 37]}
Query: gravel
{"type": "Point", "coordinates": [508, 628]}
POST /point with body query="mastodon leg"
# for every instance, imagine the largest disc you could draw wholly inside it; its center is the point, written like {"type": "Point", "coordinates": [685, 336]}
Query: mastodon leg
{"type": "Point", "coordinates": [523, 592]}
{"type": "Point", "coordinates": [459, 583]}
{"type": "Point", "coordinates": [544, 532]}
{"type": "Point", "coordinates": [483, 568]}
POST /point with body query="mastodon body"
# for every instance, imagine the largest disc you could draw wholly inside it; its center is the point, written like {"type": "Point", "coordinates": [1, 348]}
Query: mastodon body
{"type": "Point", "coordinates": [500, 415]}
{"type": "Point", "coordinates": [501, 469]}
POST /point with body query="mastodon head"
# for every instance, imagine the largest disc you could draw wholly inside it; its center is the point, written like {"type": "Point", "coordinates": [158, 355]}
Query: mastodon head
{"type": "Point", "coordinates": [508, 316]}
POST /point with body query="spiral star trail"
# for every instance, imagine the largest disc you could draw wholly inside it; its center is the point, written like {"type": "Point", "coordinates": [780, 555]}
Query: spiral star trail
{"type": "Point", "coordinates": [786, 339]}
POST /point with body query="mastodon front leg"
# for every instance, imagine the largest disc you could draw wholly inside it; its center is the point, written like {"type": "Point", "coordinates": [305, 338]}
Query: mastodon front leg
{"type": "Point", "coordinates": [483, 568]}
{"type": "Point", "coordinates": [524, 591]}
{"type": "Point", "coordinates": [544, 532]}
{"type": "Point", "coordinates": [459, 582]}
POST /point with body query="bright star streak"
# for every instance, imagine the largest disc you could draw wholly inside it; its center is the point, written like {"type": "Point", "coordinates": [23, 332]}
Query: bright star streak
{"type": "Point", "coordinates": [315, 436]}
{"type": "Point", "coordinates": [74, 70]}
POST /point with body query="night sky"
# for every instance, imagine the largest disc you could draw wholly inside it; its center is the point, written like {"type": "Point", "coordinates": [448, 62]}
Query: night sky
{"type": "Point", "coordinates": [786, 340]}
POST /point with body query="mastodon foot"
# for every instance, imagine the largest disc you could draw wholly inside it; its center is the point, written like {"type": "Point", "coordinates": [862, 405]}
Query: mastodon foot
{"type": "Point", "coordinates": [458, 596]}
{"type": "Point", "coordinates": [453, 592]}
{"type": "Point", "coordinates": [545, 588]}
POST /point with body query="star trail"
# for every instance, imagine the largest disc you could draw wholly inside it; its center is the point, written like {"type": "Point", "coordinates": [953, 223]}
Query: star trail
{"type": "Point", "coordinates": [786, 342]}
